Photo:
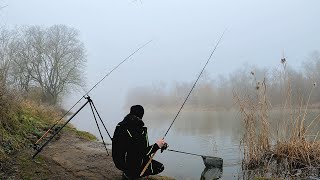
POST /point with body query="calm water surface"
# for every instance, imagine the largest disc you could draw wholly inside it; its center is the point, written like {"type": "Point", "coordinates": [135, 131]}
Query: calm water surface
{"type": "Point", "coordinates": [206, 133]}
{"type": "Point", "coordinates": [211, 133]}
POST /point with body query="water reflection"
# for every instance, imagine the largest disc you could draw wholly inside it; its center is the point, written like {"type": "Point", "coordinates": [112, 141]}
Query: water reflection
{"type": "Point", "coordinates": [211, 174]}
{"type": "Point", "coordinates": [213, 168]}
{"type": "Point", "coordinates": [206, 133]}
{"type": "Point", "coordinates": [196, 123]}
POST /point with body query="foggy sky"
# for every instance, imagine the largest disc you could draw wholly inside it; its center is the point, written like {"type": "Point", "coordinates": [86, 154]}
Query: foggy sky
{"type": "Point", "coordinates": [183, 32]}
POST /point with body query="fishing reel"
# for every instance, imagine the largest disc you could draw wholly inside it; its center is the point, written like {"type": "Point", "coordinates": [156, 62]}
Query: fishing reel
{"type": "Point", "coordinates": [57, 128]}
{"type": "Point", "coordinates": [164, 147]}
{"type": "Point", "coordinates": [36, 147]}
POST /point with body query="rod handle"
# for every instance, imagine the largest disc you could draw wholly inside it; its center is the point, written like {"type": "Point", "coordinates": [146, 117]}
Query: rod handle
{"type": "Point", "coordinates": [147, 165]}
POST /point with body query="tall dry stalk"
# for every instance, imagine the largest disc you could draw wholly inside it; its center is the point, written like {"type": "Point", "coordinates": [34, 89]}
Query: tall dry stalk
{"type": "Point", "coordinates": [293, 145]}
{"type": "Point", "coordinates": [255, 113]}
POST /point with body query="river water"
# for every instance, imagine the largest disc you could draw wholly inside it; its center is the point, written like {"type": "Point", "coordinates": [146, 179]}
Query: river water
{"type": "Point", "coordinates": [206, 133]}
{"type": "Point", "coordinates": [211, 133]}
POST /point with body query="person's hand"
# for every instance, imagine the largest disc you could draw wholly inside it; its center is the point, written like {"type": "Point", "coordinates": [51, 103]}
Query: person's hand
{"type": "Point", "coordinates": [160, 143]}
{"type": "Point", "coordinates": [164, 147]}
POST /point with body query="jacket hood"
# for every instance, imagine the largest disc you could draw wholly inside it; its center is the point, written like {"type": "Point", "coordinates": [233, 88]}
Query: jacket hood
{"type": "Point", "coordinates": [132, 121]}
{"type": "Point", "coordinates": [137, 110]}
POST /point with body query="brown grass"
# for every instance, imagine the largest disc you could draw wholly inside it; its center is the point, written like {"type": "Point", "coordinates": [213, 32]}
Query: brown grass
{"type": "Point", "coordinates": [292, 144]}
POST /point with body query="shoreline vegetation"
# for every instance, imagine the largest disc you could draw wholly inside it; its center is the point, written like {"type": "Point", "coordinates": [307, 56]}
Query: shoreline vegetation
{"type": "Point", "coordinates": [288, 147]}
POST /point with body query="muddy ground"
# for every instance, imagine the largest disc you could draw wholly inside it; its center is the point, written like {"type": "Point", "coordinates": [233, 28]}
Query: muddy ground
{"type": "Point", "coordinates": [81, 159]}
{"type": "Point", "coordinates": [70, 157]}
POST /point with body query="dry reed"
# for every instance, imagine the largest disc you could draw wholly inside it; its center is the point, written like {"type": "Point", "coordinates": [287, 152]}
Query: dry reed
{"type": "Point", "coordinates": [288, 147]}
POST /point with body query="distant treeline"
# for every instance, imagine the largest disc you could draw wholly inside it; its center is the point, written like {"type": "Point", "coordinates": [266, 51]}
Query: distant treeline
{"type": "Point", "coordinates": [217, 93]}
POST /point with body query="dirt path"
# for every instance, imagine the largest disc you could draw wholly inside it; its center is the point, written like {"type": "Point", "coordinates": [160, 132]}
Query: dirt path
{"type": "Point", "coordinates": [72, 157]}
{"type": "Point", "coordinates": [69, 157]}
{"type": "Point", "coordinates": [80, 159]}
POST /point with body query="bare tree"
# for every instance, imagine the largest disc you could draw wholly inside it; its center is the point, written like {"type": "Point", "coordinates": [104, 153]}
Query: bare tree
{"type": "Point", "coordinates": [50, 58]}
{"type": "Point", "coordinates": [7, 53]}
{"type": "Point", "coordinates": [31, 43]}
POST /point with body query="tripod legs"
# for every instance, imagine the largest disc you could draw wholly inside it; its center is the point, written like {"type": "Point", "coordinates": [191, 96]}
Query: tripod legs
{"type": "Point", "coordinates": [92, 106]}
{"type": "Point", "coordinates": [95, 119]}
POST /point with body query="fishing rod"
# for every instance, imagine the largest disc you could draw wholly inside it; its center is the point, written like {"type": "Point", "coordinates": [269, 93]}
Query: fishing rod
{"type": "Point", "coordinates": [86, 94]}
{"type": "Point", "coordinates": [146, 166]}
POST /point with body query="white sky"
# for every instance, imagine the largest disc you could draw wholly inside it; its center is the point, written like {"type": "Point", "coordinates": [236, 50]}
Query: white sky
{"type": "Point", "coordinates": [183, 33]}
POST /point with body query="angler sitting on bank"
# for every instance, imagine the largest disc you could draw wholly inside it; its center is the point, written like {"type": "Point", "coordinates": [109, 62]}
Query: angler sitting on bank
{"type": "Point", "coordinates": [130, 146]}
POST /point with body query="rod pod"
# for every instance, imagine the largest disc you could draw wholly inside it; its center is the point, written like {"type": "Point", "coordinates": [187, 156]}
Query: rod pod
{"type": "Point", "coordinates": [89, 100]}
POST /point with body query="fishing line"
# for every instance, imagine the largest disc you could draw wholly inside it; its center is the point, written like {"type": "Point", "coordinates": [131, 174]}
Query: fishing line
{"type": "Point", "coordinates": [146, 166]}
{"type": "Point", "coordinates": [45, 134]}
{"type": "Point", "coordinates": [194, 84]}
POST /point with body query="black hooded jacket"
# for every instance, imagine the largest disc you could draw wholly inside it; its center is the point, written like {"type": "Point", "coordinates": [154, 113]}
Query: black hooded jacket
{"type": "Point", "coordinates": [130, 145]}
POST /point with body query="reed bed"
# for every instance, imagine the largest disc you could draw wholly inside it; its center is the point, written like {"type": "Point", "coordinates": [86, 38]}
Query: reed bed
{"type": "Point", "coordinates": [288, 146]}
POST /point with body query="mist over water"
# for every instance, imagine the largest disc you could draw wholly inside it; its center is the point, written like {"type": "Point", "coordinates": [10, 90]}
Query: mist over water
{"type": "Point", "coordinates": [212, 133]}
{"type": "Point", "coordinates": [204, 133]}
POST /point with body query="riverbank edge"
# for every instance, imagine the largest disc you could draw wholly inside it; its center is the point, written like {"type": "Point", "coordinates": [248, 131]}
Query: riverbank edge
{"type": "Point", "coordinates": [22, 166]}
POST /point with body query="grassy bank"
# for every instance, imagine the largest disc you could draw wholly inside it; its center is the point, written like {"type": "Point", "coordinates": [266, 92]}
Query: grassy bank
{"type": "Point", "coordinates": [22, 123]}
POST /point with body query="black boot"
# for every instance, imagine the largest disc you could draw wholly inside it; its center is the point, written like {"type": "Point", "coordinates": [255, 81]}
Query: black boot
{"type": "Point", "coordinates": [126, 177]}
